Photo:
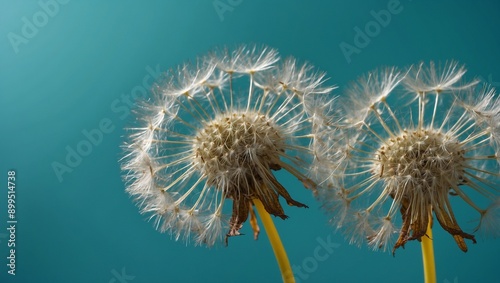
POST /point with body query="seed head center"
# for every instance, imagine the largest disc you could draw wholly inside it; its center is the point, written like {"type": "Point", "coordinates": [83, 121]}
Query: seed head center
{"type": "Point", "coordinates": [423, 159]}
{"type": "Point", "coordinates": [235, 144]}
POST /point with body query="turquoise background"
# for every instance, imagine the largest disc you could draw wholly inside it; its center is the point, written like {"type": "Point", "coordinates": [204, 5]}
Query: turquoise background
{"type": "Point", "coordinates": [88, 55]}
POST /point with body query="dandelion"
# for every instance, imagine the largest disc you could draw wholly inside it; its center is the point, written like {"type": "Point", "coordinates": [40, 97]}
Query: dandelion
{"type": "Point", "coordinates": [409, 142]}
{"type": "Point", "coordinates": [212, 136]}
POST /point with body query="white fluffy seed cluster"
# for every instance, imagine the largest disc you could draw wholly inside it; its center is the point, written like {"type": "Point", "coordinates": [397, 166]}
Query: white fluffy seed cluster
{"type": "Point", "coordinates": [206, 143]}
{"type": "Point", "coordinates": [406, 143]}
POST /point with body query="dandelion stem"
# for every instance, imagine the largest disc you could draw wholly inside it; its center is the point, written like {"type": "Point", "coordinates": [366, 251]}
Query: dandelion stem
{"type": "Point", "coordinates": [428, 255]}
{"type": "Point", "coordinates": [274, 239]}
{"type": "Point", "coordinates": [436, 100]}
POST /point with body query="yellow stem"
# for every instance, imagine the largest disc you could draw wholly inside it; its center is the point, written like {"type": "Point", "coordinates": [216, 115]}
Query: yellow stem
{"type": "Point", "coordinates": [274, 239]}
{"type": "Point", "coordinates": [428, 255]}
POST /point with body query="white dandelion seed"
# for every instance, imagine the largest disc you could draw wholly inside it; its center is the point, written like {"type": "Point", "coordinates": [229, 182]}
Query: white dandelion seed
{"type": "Point", "coordinates": [409, 142]}
{"type": "Point", "coordinates": [212, 135]}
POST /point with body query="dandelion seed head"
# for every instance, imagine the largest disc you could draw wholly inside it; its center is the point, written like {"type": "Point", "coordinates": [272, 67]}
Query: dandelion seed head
{"type": "Point", "coordinates": [207, 142]}
{"type": "Point", "coordinates": [409, 142]}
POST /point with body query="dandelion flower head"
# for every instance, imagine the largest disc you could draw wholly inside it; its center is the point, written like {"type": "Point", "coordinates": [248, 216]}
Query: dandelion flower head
{"type": "Point", "coordinates": [212, 135]}
{"type": "Point", "coordinates": [410, 145]}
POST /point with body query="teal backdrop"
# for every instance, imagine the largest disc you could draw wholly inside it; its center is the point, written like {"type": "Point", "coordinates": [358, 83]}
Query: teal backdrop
{"type": "Point", "coordinates": [70, 68]}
